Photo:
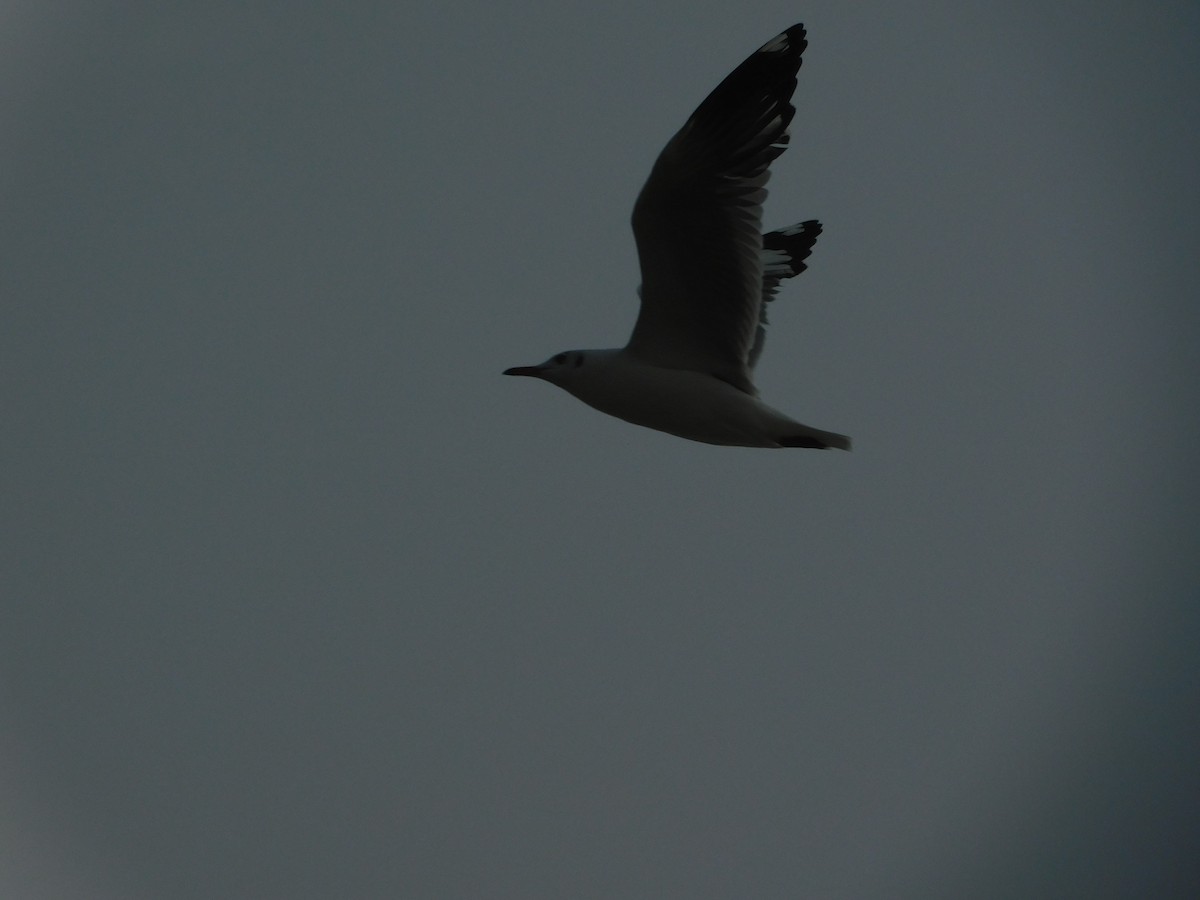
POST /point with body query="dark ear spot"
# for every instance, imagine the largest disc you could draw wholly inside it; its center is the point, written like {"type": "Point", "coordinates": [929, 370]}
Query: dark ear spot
{"type": "Point", "coordinates": [578, 360]}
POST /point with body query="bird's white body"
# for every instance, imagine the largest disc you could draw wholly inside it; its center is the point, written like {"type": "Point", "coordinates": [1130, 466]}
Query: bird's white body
{"type": "Point", "coordinates": [708, 273]}
{"type": "Point", "coordinates": [682, 402]}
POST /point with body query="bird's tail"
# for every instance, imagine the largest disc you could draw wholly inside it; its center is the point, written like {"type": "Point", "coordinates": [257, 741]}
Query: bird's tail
{"type": "Point", "coordinates": [814, 439]}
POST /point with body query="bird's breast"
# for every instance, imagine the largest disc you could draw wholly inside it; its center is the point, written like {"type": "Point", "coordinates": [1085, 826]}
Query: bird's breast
{"type": "Point", "coordinates": [685, 403]}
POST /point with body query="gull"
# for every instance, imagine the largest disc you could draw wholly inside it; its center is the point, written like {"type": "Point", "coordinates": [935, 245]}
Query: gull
{"type": "Point", "coordinates": [708, 273]}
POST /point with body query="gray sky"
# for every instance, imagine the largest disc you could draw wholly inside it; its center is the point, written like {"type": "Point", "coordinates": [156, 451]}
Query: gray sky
{"type": "Point", "coordinates": [302, 599]}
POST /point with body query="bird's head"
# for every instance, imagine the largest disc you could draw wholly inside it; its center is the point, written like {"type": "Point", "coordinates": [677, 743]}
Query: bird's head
{"type": "Point", "coordinates": [557, 369]}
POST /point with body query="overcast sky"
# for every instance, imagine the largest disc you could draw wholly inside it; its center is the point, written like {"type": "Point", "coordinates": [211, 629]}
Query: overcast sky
{"type": "Point", "coordinates": [302, 599]}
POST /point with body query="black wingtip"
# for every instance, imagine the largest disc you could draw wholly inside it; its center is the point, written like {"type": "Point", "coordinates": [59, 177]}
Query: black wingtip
{"type": "Point", "coordinates": [791, 41]}
{"type": "Point", "coordinates": [789, 247]}
{"type": "Point", "coordinates": [745, 119]}
{"type": "Point", "coordinates": [789, 44]}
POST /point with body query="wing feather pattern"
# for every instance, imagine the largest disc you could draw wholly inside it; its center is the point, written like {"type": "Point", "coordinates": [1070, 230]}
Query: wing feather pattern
{"type": "Point", "coordinates": [783, 254]}
{"type": "Point", "coordinates": [698, 220]}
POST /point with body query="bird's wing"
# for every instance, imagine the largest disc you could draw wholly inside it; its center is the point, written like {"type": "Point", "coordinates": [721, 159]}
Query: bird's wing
{"type": "Point", "coordinates": [698, 220]}
{"type": "Point", "coordinates": [783, 255]}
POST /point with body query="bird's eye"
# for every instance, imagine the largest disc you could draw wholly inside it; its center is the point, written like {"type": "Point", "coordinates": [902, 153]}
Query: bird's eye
{"type": "Point", "coordinates": [559, 359]}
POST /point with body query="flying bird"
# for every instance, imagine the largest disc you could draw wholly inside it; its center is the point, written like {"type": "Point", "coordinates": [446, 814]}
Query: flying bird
{"type": "Point", "coordinates": [708, 273]}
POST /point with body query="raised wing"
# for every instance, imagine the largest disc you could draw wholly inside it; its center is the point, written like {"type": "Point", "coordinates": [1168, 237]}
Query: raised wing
{"type": "Point", "coordinates": [698, 220]}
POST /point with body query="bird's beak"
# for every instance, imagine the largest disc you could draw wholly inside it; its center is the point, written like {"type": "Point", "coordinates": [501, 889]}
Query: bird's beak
{"type": "Point", "coordinates": [535, 371]}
